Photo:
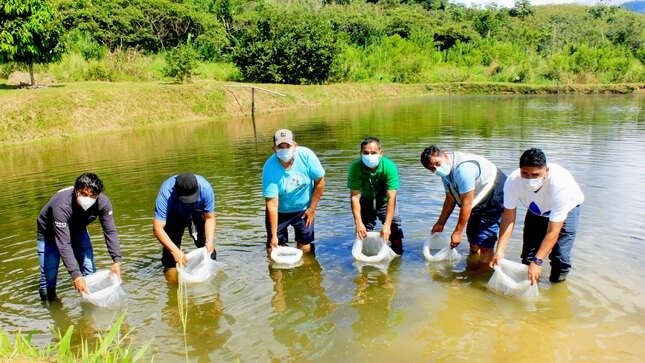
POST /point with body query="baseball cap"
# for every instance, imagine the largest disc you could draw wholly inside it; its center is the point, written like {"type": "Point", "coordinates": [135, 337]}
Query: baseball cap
{"type": "Point", "coordinates": [187, 188]}
{"type": "Point", "coordinates": [283, 136]}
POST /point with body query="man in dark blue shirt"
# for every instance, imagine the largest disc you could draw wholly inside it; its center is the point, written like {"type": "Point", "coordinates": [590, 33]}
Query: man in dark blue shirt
{"type": "Point", "coordinates": [184, 200]}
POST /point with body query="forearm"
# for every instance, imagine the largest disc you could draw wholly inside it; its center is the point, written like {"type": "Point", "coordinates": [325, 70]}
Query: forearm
{"type": "Point", "coordinates": [390, 207]}
{"type": "Point", "coordinates": [319, 187]}
{"type": "Point", "coordinates": [550, 239]}
{"type": "Point", "coordinates": [506, 229]}
{"type": "Point", "coordinates": [162, 236]}
{"type": "Point", "coordinates": [272, 211]}
{"type": "Point", "coordinates": [356, 209]}
{"type": "Point", "coordinates": [209, 228]}
{"type": "Point", "coordinates": [448, 206]}
{"type": "Point", "coordinates": [464, 212]}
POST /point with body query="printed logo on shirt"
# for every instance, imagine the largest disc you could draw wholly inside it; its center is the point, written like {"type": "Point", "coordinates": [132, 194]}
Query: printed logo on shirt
{"type": "Point", "coordinates": [60, 224]}
{"type": "Point", "coordinates": [110, 213]}
{"type": "Point", "coordinates": [536, 210]}
{"type": "Point", "coordinates": [294, 182]}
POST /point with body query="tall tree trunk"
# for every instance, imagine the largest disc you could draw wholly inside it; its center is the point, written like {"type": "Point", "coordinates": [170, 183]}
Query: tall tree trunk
{"type": "Point", "coordinates": [31, 74]}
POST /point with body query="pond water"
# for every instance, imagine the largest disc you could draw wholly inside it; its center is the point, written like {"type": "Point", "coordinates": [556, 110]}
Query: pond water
{"type": "Point", "coordinates": [328, 309]}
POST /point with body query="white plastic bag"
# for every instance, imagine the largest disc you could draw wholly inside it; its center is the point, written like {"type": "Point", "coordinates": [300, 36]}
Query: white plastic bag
{"type": "Point", "coordinates": [511, 278]}
{"type": "Point", "coordinates": [104, 288]}
{"type": "Point", "coordinates": [372, 249]}
{"type": "Point", "coordinates": [286, 257]}
{"type": "Point", "coordinates": [200, 267]}
{"type": "Point", "coordinates": [439, 241]}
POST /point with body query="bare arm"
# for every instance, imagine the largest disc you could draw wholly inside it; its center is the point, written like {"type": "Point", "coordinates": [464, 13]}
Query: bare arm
{"type": "Point", "coordinates": [209, 231]}
{"type": "Point", "coordinates": [310, 213]}
{"type": "Point", "coordinates": [272, 212]}
{"type": "Point", "coordinates": [550, 239]}
{"type": "Point", "coordinates": [355, 196]}
{"type": "Point", "coordinates": [389, 215]}
{"type": "Point", "coordinates": [449, 204]}
{"type": "Point", "coordinates": [163, 238]}
{"type": "Point", "coordinates": [464, 214]}
{"type": "Point", "coordinates": [505, 233]}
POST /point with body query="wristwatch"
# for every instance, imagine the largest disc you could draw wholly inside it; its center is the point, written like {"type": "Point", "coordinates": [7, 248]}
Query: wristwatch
{"type": "Point", "coordinates": [537, 261]}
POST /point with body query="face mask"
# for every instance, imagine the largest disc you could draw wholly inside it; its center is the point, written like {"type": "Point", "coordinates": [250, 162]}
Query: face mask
{"type": "Point", "coordinates": [532, 184]}
{"type": "Point", "coordinates": [371, 160]}
{"type": "Point", "coordinates": [285, 154]}
{"type": "Point", "coordinates": [85, 202]}
{"type": "Point", "coordinates": [442, 170]}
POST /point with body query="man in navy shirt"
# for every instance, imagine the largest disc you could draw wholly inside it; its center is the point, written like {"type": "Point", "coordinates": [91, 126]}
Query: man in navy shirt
{"type": "Point", "coordinates": [184, 201]}
{"type": "Point", "coordinates": [62, 234]}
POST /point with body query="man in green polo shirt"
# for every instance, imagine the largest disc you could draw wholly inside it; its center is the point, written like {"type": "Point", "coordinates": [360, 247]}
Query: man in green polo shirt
{"type": "Point", "coordinates": [373, 181]}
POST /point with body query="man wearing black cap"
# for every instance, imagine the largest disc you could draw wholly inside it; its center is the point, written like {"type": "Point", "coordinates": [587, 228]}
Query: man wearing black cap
{"type": "Point", "coordinates": [184, 200]}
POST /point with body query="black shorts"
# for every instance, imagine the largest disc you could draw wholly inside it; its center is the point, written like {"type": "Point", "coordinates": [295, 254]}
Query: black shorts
{"type": "Point", "coordinates": [304, 234]}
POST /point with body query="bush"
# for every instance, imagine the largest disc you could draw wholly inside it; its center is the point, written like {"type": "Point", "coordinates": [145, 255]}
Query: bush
{"type": "Point", "coordinates": [285, 45]}
{"type": "Point", "coordinates": [181, 63]}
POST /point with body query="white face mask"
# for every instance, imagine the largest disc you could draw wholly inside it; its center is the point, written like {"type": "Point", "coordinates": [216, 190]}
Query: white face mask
{"type": "Point", "coordinates": [371, 160]}
{"type": "Point", "coordinates": [532, 185]}
{"type": "Point", "coordinates": [85, 202]}
{"type": "Point", "coordinates": [285, 154]}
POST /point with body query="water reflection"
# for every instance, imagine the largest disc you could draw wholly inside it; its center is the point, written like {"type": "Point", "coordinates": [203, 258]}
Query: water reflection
{"type": "Point", "coordinates": [301, 307]}
{"type": "Point", "coordinates": [423, 313]}
{"type": "Point", "coordinates": [375, 290]}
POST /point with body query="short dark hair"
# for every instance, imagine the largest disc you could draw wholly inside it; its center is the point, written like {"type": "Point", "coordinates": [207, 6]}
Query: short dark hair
{"type": "Point", "coordinates": [369, 140]}
{"type": "Point", "coordinates": [427, 153]}
{"type": "Point", "coordinates": [89, 180]}
{"type": "Point", "coordinates": [533, 157]}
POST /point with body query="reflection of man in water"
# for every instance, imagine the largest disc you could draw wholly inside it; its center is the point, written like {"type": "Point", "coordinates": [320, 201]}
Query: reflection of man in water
{"type": "Point", "coordinates": [301, 306]}
{"type": "Point", "coordinates": [372, 300]}
{"type": "Point", "coordinates": [206, 332]}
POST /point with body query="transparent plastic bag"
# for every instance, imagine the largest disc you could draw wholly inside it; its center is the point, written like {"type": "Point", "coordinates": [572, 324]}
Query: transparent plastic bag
{"type": "Point", "coordinates": [511, 278]}
{"type": "Point", "coordinates": [200, 267]}
{"type": "Point", "coordinates": [104, 289]}
{"type": "Point", "coordinates": [439, 241]}
{"type": "Point", "coordinates": [372, 249]}
{"type": "Point", "coordinates": [286, 257]}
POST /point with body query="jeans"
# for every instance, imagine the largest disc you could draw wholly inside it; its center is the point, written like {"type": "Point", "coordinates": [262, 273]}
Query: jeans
{"type": "Point", "coordinates": [49, 259]}
{"type": "Point", "coordinates": [534, 231]}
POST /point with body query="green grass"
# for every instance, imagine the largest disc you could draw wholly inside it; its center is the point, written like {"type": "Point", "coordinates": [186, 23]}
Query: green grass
{"type": "Point", "coordinates": [110, 347]}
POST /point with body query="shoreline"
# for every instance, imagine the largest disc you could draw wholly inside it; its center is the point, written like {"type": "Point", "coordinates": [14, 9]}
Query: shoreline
{"type": "Point", "coordinates": [65, 110]}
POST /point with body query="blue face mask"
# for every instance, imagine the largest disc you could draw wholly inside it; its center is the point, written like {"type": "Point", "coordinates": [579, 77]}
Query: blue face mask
{"type": "Point", "coordinates": [442, 170]}
{"type": "Point", "coordinates": [371, 160]}
{"type": "Point", "coordinates": [285, 154]}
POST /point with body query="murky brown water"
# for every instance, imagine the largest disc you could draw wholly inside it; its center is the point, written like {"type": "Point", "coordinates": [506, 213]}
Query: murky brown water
{"type": "Point", "coordinates": [326, 310]}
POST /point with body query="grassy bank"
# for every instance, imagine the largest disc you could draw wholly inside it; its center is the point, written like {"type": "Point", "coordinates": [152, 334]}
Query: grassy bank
{"type": "Point", "coordinates": [63, 110]}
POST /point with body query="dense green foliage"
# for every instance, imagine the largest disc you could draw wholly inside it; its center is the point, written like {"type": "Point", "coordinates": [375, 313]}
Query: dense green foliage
{"type": "Point", "coordinates": [284, 45]}
{"type": "Point", "coordinates": [181, 63]}
{"type": "Point", "coordinates": [319, 41]}
{"type": "Point", "coordinates": [29, 33]}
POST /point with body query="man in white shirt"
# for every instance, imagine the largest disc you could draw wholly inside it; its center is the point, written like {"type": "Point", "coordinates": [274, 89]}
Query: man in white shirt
{"type": "Point", "coordinates": [553, 199]}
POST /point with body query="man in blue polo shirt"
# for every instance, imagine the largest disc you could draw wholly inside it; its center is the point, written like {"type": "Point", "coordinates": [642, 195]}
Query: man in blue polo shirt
{"type": "Point", "coordinates": [184, 201]}
{"type": "Point", "coordinates": [292, 184]}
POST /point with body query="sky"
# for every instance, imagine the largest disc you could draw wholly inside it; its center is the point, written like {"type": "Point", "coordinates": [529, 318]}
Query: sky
{"type": "Point", "coordinates": [510, 3]}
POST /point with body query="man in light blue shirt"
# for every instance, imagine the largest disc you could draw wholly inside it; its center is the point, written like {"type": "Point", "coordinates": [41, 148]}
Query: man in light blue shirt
{"type": "Point", "coordinates": [292, 184]}
{"type": "Point", "coordinates": [476, 185]}
{"type": "Point", "coordinates": [184, 201]}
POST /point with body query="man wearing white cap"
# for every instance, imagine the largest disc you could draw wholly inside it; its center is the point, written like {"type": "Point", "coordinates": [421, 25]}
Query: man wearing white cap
{"type": "Point", "coordinates": [293, 181]}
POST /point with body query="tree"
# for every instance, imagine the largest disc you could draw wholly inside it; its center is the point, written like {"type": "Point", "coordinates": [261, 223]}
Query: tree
{"type": "Point", "coordinates": [285, 45]}
{"type": "Point", "coordinates": [30, 33]}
